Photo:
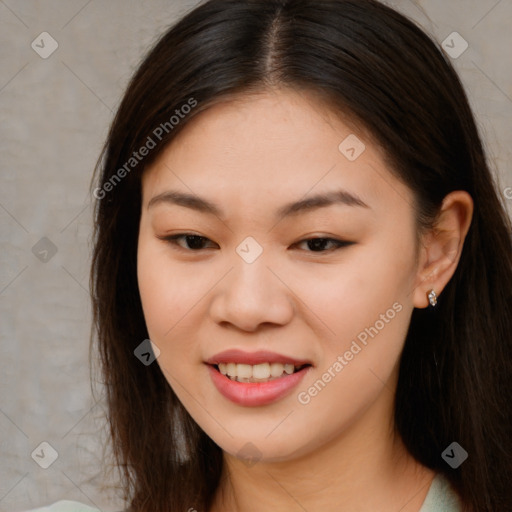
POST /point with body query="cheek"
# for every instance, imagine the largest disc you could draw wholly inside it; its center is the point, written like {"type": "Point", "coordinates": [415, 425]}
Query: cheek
{"type": "Point", "coordinates": [167, 301]}
{"type": "Point", "coordinates": [167, 294]}
{"type": "Point", "coordinates": [351, 294]}
{"type": "Point", "coordinates": [364, 310]}
{"type": "Point", "coordinates": [365, 304]}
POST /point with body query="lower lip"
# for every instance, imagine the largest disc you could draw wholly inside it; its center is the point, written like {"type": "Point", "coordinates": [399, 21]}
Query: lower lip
{"type": "Point", "coordinates": [251, 394]}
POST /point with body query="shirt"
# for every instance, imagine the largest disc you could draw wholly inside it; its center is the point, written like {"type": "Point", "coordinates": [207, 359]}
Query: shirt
{"type": "Point", "coordinates": [440, 498]}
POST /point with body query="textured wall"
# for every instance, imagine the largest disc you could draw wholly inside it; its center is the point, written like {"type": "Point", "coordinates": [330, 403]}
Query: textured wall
{"type": "Point", "coordinates": [55, 114]}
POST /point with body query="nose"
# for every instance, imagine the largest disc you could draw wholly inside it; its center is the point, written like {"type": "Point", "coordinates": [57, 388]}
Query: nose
{"type": "Point", "coordinates": [250, 295]}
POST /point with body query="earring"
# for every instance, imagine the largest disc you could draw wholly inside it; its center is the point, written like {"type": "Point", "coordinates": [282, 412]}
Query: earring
{"type": "Point", "coordinates": [432, 298]}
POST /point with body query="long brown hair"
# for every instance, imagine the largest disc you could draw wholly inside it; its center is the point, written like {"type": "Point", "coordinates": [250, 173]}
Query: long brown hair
{"type": "Point", "coordinates": [367, 60]}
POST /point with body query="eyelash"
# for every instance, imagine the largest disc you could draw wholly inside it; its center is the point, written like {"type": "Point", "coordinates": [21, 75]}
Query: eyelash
{"type": "Point", "coordinates": [173, 239]}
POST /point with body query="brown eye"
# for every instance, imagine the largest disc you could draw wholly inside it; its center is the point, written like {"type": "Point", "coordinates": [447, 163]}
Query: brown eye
{"type": "Point", "coordinates": [192, 242]}
{"type": "Point", "coordinates": [319, 244]}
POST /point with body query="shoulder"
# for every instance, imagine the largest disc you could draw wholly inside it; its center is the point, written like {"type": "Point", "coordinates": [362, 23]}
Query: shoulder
{"type": "Point", "coordinates": [66, 506]}
{"type": "Point", "coordinates": [441, 497]}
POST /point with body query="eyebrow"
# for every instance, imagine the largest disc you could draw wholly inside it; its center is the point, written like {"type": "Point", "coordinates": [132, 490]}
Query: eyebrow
{"type": "Point", "coordinates": [315, 202]}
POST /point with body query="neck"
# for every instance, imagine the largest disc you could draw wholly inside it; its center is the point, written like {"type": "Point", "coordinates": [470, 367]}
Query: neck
{"type": "Point", "coordinates": [366, 467]}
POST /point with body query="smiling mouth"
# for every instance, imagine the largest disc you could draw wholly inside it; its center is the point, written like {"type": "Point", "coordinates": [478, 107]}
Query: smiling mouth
{"type": "Point", "coordinates": [263, 372]}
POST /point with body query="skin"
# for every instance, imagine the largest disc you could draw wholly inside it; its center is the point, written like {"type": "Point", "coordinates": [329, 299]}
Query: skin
{"type": "Point", "coordinates": [250, 156]}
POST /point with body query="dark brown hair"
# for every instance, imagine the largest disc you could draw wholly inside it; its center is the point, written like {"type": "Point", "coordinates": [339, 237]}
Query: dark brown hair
{"type": "Point", "coordinates": [368, 61]}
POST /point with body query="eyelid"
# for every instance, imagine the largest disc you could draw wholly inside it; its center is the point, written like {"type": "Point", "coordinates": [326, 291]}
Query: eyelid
{"type": "Point", "coordinates": [172, 239]}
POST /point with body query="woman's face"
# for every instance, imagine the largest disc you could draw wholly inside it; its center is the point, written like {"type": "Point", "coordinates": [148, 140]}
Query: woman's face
{"type": "Point", "coordinates": [253, 286]}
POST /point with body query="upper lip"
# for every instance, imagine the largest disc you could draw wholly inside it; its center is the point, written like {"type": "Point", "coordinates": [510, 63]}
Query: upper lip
{"type": "Point", "coordinates": [252, 358]}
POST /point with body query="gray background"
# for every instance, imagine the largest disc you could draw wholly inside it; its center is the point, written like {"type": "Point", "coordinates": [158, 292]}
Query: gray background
{"type": "Point", "coordinates": [55, 116]}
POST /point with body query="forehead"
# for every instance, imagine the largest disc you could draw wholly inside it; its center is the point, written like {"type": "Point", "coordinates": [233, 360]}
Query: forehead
{"type": "Point", "coordinates": [269, 147]}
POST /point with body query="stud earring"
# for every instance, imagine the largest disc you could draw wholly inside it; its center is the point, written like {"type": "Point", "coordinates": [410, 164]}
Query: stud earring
{"type": "Point", "coordinates": [432, 298]}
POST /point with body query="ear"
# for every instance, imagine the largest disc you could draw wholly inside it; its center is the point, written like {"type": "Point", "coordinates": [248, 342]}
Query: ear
{"type": "Point", "coordinates": [441, 246]}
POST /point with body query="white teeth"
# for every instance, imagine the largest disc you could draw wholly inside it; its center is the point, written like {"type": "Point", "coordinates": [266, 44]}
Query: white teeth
{"type": "Point", "coordinates": [255, 373]}
{"type": "Point", "coordinates": [276, 369]}
{"type": "Point", "coordinates": [244, 371]}
{"type": "Point", "coordinates": [261, 371]}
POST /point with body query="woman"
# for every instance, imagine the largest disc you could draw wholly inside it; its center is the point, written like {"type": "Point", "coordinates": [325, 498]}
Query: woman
{"type": "Point", "coordinates": [294, 206]}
